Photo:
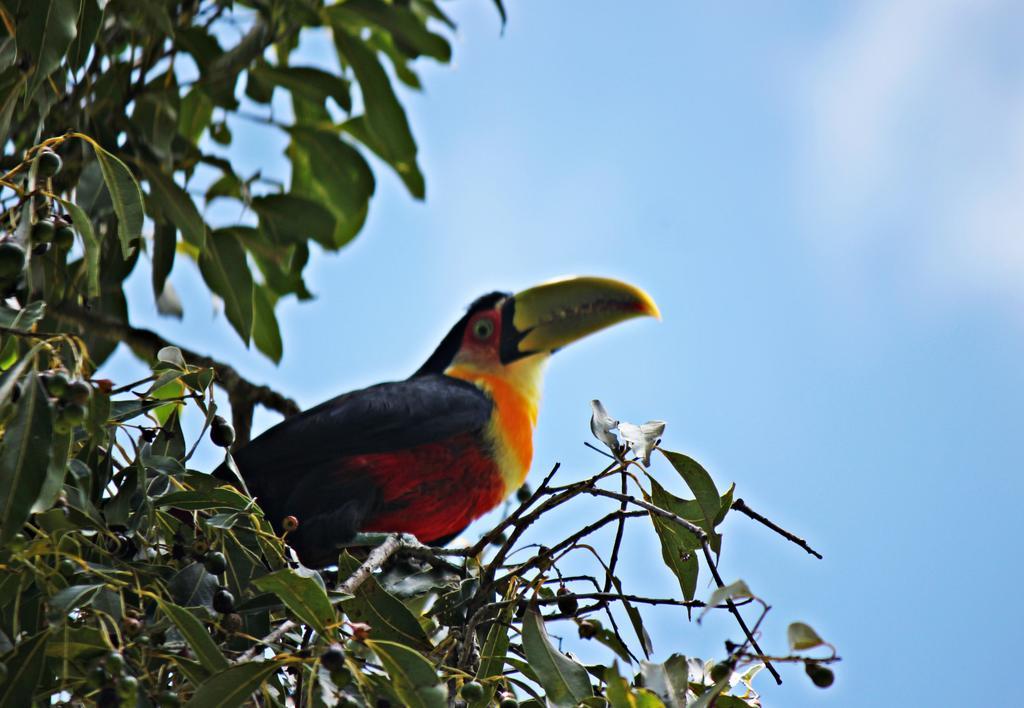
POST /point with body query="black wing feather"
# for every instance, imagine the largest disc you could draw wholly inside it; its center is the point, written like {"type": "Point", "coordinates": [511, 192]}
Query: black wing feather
{"type": "Point", "coordinates": [292, 468]}
{"type": "Point", "coordinates": [389, 416]}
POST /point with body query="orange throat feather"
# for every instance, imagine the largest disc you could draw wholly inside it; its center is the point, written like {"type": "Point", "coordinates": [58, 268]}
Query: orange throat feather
{"type": "Point", "coordinates": [515, 390]}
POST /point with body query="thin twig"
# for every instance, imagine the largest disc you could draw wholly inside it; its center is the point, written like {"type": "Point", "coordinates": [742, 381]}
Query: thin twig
{"type": "Point", "coordinates": [373, 561]}
{"type": "Point", "coordinates": [703, 538]}
{"type": "Point", "coordinates": [741, 506]}
{"type": "Point", "coordinates": [736, 612]}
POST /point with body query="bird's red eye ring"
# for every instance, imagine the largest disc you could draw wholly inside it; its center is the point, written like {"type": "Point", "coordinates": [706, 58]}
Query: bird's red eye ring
{"type": "Point", "coordinates": [483, 328]}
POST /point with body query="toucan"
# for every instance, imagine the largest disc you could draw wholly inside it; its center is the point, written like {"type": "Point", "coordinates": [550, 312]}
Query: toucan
{"type": "Point", "coordinates": [429, 454]}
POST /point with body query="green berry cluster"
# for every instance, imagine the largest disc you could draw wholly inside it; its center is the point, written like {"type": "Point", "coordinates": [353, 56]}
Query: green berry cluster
{"type": "Point", "coordinates": [72, 399]}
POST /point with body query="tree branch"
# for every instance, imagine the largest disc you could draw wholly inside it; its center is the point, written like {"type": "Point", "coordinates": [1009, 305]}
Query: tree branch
{"type": "Point", "coordinates": [242, 393]}
{"type": "Point", "coordinates": [741, 506]}
{"type": "Point", "coordinates": [374, 560]}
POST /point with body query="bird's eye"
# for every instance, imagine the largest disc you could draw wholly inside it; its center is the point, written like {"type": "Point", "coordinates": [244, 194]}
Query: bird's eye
{"type": "Point", "coordinates": [483, 328]}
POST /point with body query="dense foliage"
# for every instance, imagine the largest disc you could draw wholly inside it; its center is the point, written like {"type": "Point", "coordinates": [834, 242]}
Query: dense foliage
{"type": "Point", "coordinates": [128, 578]}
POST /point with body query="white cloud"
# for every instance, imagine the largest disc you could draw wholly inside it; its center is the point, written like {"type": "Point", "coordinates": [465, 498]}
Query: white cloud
{"type": "Point", "coordinates": [914, 140]}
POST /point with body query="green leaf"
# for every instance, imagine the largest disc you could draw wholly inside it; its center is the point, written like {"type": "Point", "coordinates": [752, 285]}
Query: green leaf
{"type": "Point", "coordinates": [384, 114]}
{"type": "Point", "coordinates": [415, 679]}
{"type": "Point", "coordinates": [265, 331]}
{"type": "Point", "coordinates": [74, 596]}
{"type": "Point", "coordinates": [175, 204]}
{"type": "Point", "coordinates": [635, 619]}
{"type": "Point", "coordinates": [88, 27]}
{"type": "Point", "coordinates": [12, 84]}
{"type": "Point", "coordinates": [409, 172]}
{"type": "Point", "coordinates": [83, 225]}
{"type": "Point", "coordinates": [405, 27]}
{"type": "Point", "coordinates": [726, 592]}
{"type": "Point", "coordinates": [165, 241]}
{"type": "Point", "coordinates": [668, 681]}
{"type": "Point", "coordinates": [291, 217]}
{"type": "Point", "coordinates": [618, 689]}
{"type": "Point", "coordinates": [621, 695]}
{"type": "Point", "coordinates": [495, 647]}
{"type": "Point", "coordinates": [565, 681]}
{"type": "Point", "coordinates": [23, 318]}
{"type": "Point", "coordinates": [197, 636]}
{"type": "Point", "coordinates": [699, 482]}
{"type": "Point", "coordinates": [222, 72]}
{"type": "Point", "coordinates": [611, 640]}
{"type": "Point", "coordinates": [46, 29]}
{"type": "Point", "coordinates": [24, 456]}
{"type": "Point", "coordinates": [302, 591]}
{"type": "Point", "coordinates": [388, 617]}
{"type": "Point", "coordinates": [78, 643]}
{"type": "Point", "coordinates": [310, 83]}
{"type": "Point", "coordinates": [24, 671]}
{"type": "Point", "coordinates": [802, 636]}
{"type": "Point", "coordinates": [194, 114]}
{"type": "Point", "coordinates": [194, 500]}
{"type": "Point", "coordinates": [55, 472]}
{"type": "Point", "coordinates": [233, 686]}
{"type": "Point", "coordinates": [125, 195]}
{"type": "Point", "coordinates": [678, 546]}
{"type": "Point", "coordinates": [226, 271]}
{"type": "Point", "coordinates": [711, 696]}
{"type": "Point", "coordinates": [329, 170]}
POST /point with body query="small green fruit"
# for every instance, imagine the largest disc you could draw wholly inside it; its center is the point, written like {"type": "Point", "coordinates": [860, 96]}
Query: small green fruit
{"type": "Point", "coordinates": [524, 493]}
{"type": "Point", "coordinates": [43, 231]}
{"type": "Point", "coordinates": [587, 629]}
{"type": "Point", "coordinates": [472, 691]}
{"type": "Point", "coordinates": [567, 604]}
{"type": "Point", "coordinates": [48, 163]}
{"type": "Point", "coordinates": [822, 676]}
{"type": "Point", "coordinates": [128, 689]}
{"type": "Point", "coordinates": [73, 413]}
{"type": "Point", "coordinates": [17, 542]}
{"type": "Point", "coordinates": [64, 238]}
{"type": "Point", "coordinates": [115, 662]}
{"type": "Point", "coordinates": [67, 567]}
{"type": "Point", "coordinates": [12, 259]}
{"type": "Point", "coordinates": [221, 434]}
{"type": "Point", "coordinates": [721, 670]}
{"type": "Point", "coordinates": [131, 626]}
{"type": "Point", "coordinates": [56, 384]}
{"type": "Point", "coordinates": [232, 622]}
{"type": "Point", "coordinates": [169, 699]}
{"type": "Point", "coordinates": [333, 658]}
{"type": "Point", "coordinates": [215, 562]}
{"type": "Point", "coordinates": [507, 700]}
{"type": "Point", "coordinates": [98, 676]}
{"type": "Point", "coordinates": [223, 601]}
{"type": "Point", "coordinates": [79, 392]}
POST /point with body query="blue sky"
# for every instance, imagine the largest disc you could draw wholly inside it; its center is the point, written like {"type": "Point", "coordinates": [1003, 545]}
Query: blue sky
{"type": "Point", "coordinates": [825, 201]}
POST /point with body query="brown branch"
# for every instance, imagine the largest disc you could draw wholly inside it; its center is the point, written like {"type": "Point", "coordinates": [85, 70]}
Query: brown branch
{"type": "Point", "coordinates": [374, 560]}
{"type": "Point", "coordinates": [741, 506]}
{"type": "Point", "coordinates": [242, 393]}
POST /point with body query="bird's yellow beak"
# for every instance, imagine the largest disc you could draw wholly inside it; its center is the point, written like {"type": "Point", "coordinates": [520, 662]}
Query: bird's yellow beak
{"type": "Point", "coordinates": [549, 316]}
